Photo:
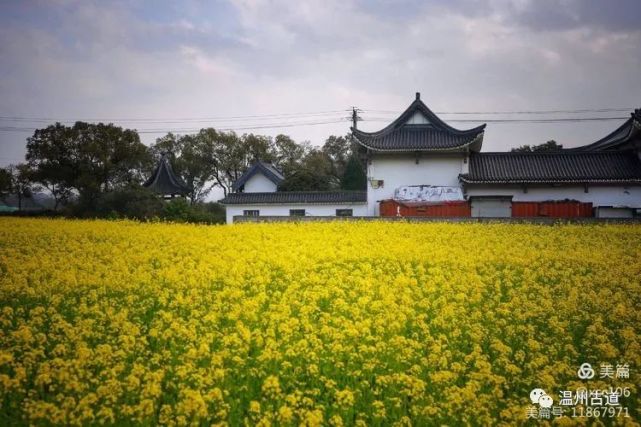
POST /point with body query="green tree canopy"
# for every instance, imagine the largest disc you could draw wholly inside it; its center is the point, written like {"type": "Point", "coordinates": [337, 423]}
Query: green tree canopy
{"type": "Point", "coordinates": [88, 158]}
{"type": "Point", "coordinates": [192, 158]}
{"type": "Point", "coordinates": [18, 181]}
{"type": "Point", "coordinates": [354, 177]}
{"type": "Point", "coordinates": [5, 181]}
{"type": "Point", "coordinates": [551, 145]}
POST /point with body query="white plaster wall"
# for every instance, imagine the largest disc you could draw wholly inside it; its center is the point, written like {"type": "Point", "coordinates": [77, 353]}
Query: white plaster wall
{"type": "Point", "coordinates": [602, 195]}
{"type": "Point", "coordinates": [397, 170]}
{"type": "Point", "coordinates": [614, 213]}
{"type": "Point", "coordinates": [259, 183]}
{"type": "Point", "coordinates": [359, 209]}
{"type": "Point", "coordinates": [491, 208]}
{"type": "Point", "coordinates": [417, 119]}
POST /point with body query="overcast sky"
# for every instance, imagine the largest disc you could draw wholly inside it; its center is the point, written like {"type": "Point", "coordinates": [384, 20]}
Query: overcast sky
{"type": "Point", "coordinates": [182, 62]}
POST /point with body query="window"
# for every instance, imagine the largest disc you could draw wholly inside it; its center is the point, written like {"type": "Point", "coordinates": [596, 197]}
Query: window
{"type": "Point", "coordinates": [297, 212]}
{"type": "Point", "coordinates": [344, 212]}
{"type": "Point", "coordinates": [251, 213]}
{"type": "Point", "coordinates": [377, 183]}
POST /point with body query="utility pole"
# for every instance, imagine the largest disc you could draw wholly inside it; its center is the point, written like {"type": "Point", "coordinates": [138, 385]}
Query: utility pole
{"type": "Point", "coordinates": [355, 117]}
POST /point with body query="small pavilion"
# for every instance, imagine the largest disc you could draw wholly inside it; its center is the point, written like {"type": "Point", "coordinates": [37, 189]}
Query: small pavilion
{"type": "Point", "coordinates": [165, 182]}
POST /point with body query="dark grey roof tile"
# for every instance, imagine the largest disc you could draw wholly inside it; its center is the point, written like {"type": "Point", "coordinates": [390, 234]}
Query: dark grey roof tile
{"type": "Point", "coordinates": [624, 137]}
{"type": "Point", "coordinates": [436, 135]}
{"type": "Point", "coordinates": [164, 180]}
{"type": "Point", "coordinates": [296, 197]}
{"type": "Point", "coordinates": [553, 167]}
{"type": "Point", "coordinates": [267, 169]}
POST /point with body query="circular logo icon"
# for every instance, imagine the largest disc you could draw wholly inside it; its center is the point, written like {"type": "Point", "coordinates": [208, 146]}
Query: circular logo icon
{"type": "Point", "coordinates": [536, 394]}
{"type": "Point", "coordinates": [545, 401]}
{"type": "Point", "coordinates": [585, 371]}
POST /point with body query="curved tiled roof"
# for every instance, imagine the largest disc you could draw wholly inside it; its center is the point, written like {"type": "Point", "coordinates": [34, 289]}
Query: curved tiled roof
{"type": "Point", "coordinates": [164, 180]}
{"type": "Point", "coordinates": [553, 167]}
{"type": "Point", "coordinates": [267, 169]}
{"type": "Point", "coordinates": [436, 135]}
{"type": "Point", "coordinates": [628, 131]}
{"type": "Point", "coordinates": [296, 197]}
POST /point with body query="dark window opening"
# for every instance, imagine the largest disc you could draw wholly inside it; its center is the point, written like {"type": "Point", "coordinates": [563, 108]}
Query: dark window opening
{"type": "Point", "coordinates": [251, 213]}
{"type": "Point", "coordinates": [297, 212]}
{"type": "Point", "coordinates": [344, 212]}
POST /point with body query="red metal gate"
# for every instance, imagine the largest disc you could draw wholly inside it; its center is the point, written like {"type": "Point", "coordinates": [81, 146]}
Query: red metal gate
{"type": "Point", "coordinates": [443, 209]}
{"type": "Point", "coordinates": [552, 209]}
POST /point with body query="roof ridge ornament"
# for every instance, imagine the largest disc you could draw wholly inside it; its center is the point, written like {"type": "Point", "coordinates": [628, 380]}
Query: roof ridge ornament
{"type": "Point", "coordinates": [438, 136]}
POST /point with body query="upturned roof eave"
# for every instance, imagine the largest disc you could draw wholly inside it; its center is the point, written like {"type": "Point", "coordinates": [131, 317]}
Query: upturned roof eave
{"type": "Point", "coordinates": [418, 105]}
{"type": "Point", "coordinates": [633, 125]}
{"type": "Point", "coordinates": [174, 181]}
{"type": "Point", "coordinates": [474, 145]}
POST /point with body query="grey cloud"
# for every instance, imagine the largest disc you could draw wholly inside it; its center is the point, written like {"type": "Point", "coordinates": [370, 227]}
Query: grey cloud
{"type": "Point", "coordinates": [554, 15]}
{"type": "Point", "coordinates": [102, 60]}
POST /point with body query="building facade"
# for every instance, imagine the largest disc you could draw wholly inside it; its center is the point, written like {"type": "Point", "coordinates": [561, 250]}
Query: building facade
{"type": "Point", "coordinates": [256, 193]}
{"type": "Point", "coordinates": [420, 166]}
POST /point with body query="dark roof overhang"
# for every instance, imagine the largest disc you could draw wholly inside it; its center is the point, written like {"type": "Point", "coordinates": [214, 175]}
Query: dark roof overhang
{"type": "Point", "coordinates": [267, 169]}
{"type": "Point", "coordinates": [296, 197]}
{"type": "Point", "coordinates": [436, 135]}
{"type": "Point", "coordinates": [165, 181]}
{"type": "Point", "coordinates": [560, 167]}
{"type": "Point", "coordinates": [626, 136]}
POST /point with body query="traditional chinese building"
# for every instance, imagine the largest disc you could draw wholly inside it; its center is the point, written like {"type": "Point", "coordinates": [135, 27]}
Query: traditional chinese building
{"type": "Point", "coordinates": [256, 193]}
{"type": "Point", "coordinates": [416, 149]}
{"type": "Point", "coordinates": [165, 182]}
{"type": "Point", "coordinates": [601, 179]}
{"type": "Point", "coordinates": [418, 165]}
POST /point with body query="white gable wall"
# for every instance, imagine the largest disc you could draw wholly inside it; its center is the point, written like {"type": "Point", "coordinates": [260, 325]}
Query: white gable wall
{"type": "Point", "coordinates": [259, 183]}
{"type": "Point", "coordinates": [398, 170]}
{"type": "Point", "coordinates": [359, 209]}
{"type": "Point", "coordinates": [417, 119]}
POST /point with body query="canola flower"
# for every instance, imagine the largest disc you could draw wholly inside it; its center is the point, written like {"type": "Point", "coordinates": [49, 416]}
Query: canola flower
{"type": "Point", "coordinates": [337, 324]}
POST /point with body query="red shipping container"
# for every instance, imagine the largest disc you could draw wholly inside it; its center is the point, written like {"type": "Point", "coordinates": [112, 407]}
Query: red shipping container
{"type": "Point", "coordinates": [552, 209]}
{"type": "Point", "coordinates": [441, 209]}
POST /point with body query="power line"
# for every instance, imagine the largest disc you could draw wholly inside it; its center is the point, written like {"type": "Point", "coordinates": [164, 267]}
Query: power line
{"type": "Point", "coordinates": [580, 111]}
{"type": "Point", "coordinates": [190, 130]}
{"type": "Point", "coordinates": [499, 121]}
{"type": "Point", "coordinates": [175, 120]}
{"type": "Point", "coordinates": [295, 115]}
{"type": "Point", "coordinates": [267, 126]}
{"type": "Point", "coordinates": [341, 120]}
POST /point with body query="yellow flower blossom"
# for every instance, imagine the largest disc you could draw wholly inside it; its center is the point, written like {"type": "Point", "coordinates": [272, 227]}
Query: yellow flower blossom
{"type": "Point", "coordinates": [355, 324]}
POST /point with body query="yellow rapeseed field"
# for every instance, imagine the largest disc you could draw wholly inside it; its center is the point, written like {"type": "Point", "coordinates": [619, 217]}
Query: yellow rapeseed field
{"type": "Point", "coordinates": [359, 323]}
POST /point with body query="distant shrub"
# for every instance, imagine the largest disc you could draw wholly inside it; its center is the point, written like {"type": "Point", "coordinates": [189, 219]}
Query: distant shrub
{"type": "Point", "coordinates": [132, 202]}
{"type": "Point", "coordinates": [136, 203]}
{"type": "Point", "coordinates": [40, 213]}
{"type": "Point", "coordinates": [180, 210]}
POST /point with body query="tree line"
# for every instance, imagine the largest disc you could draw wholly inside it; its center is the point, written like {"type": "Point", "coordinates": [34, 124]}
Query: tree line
{"type": "Point", "coordinates": [90, 168]}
